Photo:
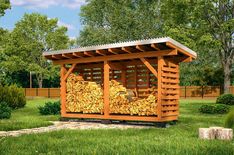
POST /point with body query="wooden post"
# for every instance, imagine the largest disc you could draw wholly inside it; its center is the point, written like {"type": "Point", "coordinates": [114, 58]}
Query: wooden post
{"type": "Point", "coordinates": [63, 89]}
{"type": "Point", "coordinates": [159, 104]}
{"type": "Point", "coordinates": [106, 88]}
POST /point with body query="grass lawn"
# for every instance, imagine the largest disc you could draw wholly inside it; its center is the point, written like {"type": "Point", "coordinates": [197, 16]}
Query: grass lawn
{"type": "Point", "coordinates": [177, 140]}
{"type": "Point", "coordinates": [27, 117]}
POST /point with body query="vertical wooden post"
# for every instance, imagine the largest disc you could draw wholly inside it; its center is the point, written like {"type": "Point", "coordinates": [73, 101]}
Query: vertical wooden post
{"type": "Point", "coordinates": [106, 88]}
{"type": "Point", "coordinates": [159, 106]}
{"type": "Point", "coordinates": [63, 90]}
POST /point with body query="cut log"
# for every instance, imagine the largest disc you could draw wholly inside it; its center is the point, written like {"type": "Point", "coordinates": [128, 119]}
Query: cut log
{"type": "Point", "coordinates": [225, 134]}
{"type": "Point", "coordinates": [206, 133]}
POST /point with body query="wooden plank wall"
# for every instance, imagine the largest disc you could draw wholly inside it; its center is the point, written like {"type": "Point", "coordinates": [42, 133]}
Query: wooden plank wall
{"type": "Point", "coordinates": [170, 90]}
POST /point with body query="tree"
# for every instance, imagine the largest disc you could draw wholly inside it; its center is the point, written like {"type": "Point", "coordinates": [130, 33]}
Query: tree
{"type": "Point", "coordinates": [218, 20]}
{"type": "Point", "coordinates": [4, 5]}
{"type": "Point", "coordinates": [32, 35]}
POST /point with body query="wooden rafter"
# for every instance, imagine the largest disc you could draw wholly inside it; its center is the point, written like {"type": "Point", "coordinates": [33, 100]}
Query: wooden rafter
{"type": "Point", "coordinates": [88, 53]}
{"type": "Point", "coordinates": [155, 46]}
{"type": "Point", "coordinates": [126, 49]}
{"type": "Point", "coordinates": [78, 54]}
{"type": "Point", "coordinates": [149, 66]}
{"type": "Point", "coordinates": [111, 50]}
{"type": "Point", "coordinates": [67, 56]}
{"type": "Point", "coordinates": [119, 57]}
{"type": "Point", "coordinates": [101, 52]}
{"type": "Point", "coordinates": [56, 57]}
{"type": "Point", "coordinates": [143, 48]}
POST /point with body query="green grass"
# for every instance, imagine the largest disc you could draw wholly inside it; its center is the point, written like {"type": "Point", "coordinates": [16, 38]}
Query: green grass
{"type": "Point", "coordinates": [28, 117]}
{"type": "Point", "coordinates": [177, 140]}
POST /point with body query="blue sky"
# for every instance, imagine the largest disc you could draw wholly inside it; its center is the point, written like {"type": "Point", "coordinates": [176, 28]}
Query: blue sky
{"type": "Point", "coordinates": [67, 12]}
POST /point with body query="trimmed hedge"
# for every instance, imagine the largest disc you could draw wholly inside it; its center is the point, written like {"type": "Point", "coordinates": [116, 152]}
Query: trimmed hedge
{"type": "Point", "coordinates": [227, 99]}
{"type": "Point", "coordinates": [214, 109]}
{"type": "Point", "coordinates": [229, 121]}
{"type": "Point", "coordinates": [50, 108]}
{"type": "Point", "coordinates": [13, 96]}
{"type": "Point", "coordinates": [5, 111]}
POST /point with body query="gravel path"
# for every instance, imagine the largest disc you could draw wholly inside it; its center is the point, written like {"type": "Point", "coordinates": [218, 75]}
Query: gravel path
{"type": "Point", "coordinates": [57, 125]}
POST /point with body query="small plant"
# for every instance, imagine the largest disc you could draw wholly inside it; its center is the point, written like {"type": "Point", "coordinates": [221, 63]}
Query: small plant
{"type": "Point", "coordinates": [227, 99]}
{"type": "Point", "coordinates": [229, 121]}
{"type": "Point", "coordinates": [13, 96]}
{"type": "Point", "coordinates": [50, 108]}
{"type": "Point", "coordinates": [5, 111]}
{"type": "Point", "coordinates": [214, 109]}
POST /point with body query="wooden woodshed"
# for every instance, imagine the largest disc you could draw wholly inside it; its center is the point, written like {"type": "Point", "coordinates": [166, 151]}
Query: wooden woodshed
{"type": "Point", "coordinates": [144, 67]}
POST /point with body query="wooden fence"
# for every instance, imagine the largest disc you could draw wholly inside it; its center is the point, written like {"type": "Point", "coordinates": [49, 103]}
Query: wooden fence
{"type": "Point", "coordinates": [185, 92]}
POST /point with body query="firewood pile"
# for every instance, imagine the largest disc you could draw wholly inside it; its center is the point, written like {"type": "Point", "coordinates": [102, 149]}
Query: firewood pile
{"type": "Point", "coordinates": [87, 97]}
{"type": "Point", "coordinates": [83, 96]}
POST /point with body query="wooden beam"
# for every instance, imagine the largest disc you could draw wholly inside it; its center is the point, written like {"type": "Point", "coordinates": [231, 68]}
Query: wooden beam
{"type": "Point", "coordinates": [101, 52]}
{"type": "Point", "coordinates": [149, 66]}
{"type": "Point", "coordinates": [69, 72]}
{"type": "Point", "coordinates": [118, 57]}
{"type": "Point", "coordinates": [88, 53]}
{"type": "Point", "coordinates": [63, 90]}
{"type": "Point", "coordinates": [106, 88]}
{"type": "Point", "coordinates": [179, 49]}
{"type": "Point", "coordinates": [155, 46]}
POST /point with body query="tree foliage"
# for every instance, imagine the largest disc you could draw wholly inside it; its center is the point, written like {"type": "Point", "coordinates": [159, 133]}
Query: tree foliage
{"type": "Point", "coordinates": [4, 5]}
{"type": "Point", "coordinates": [32, 35]}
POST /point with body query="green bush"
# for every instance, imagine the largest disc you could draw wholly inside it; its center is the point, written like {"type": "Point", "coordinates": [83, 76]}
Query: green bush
{"type": "Point", "coordinates": [214, 109]}
{"type": "Point", "coordinates": [227, 99]}
{"type": "Point", "coordinates": [5, 111]}
{"type": "Point", "coordinates": [13, 96]}
{"type": "Point", "coordinates": [50, 108]}
{"type": "Point", "coordinates": [229, 121]}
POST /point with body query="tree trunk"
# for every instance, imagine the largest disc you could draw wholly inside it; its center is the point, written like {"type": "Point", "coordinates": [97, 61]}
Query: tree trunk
{"type": "Point", "coordinates": [40, 83]}
{"type": "Point", "coordinates": [39, 80]}
{"type": "Point", "coordinates": [227, 77]}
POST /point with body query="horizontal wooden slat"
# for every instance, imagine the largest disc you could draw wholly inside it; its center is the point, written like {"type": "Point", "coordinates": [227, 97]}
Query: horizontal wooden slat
{"type": "Point", "coordinates": [170, 97]}
{"type": "Point", "coordinates": [170, 86]}
{"type": "Point", "coordinates": [165, 102]}
{"type": "Point", "coordinates": [167, 69]}
{"type": "Point", "coordinates": [176, 81]}
{"type": "Point", "coordinates": [170, 113]}
{"type": "Point", "coordinates": [166, 108]}
{"type": "Point", "coordinates": [171, 75]}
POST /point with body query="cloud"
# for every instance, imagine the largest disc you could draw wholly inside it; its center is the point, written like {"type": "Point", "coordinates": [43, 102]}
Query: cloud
{"type": "Point", "coordinates": [69, 26]}
{"type": "Point", "coordinates": [73, 4]}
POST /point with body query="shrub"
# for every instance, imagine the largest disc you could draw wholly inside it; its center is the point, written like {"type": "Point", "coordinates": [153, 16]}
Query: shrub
{"type": "Point", "coordinates": [214, 109]}
{"type": "Point", "coordinates": [13, 96]}
{"type": "Point", "coordinates": [229, 121]}
{"type": "Point", "coordinates": [227, 99]}
{"type": "Point", "coordinates": [50, 108]}
{"type": "Point", "coordinates": [5, 111]}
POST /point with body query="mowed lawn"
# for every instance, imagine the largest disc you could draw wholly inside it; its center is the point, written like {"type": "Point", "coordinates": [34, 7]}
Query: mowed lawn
{"type": "Point", "coordinates": [177, 140]}
{"type": "Point", "coordinates": [28, 117]}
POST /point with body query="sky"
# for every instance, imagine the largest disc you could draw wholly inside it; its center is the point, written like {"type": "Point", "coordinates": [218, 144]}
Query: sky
{"type": "Point", "coordinates": [67, 12]}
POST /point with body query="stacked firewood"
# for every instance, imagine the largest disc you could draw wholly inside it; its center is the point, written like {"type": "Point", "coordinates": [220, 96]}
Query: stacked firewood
{"type": "Point", "coordinates": [87, 97]}
{"type": "Point", "coordinates": [83, 96]}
